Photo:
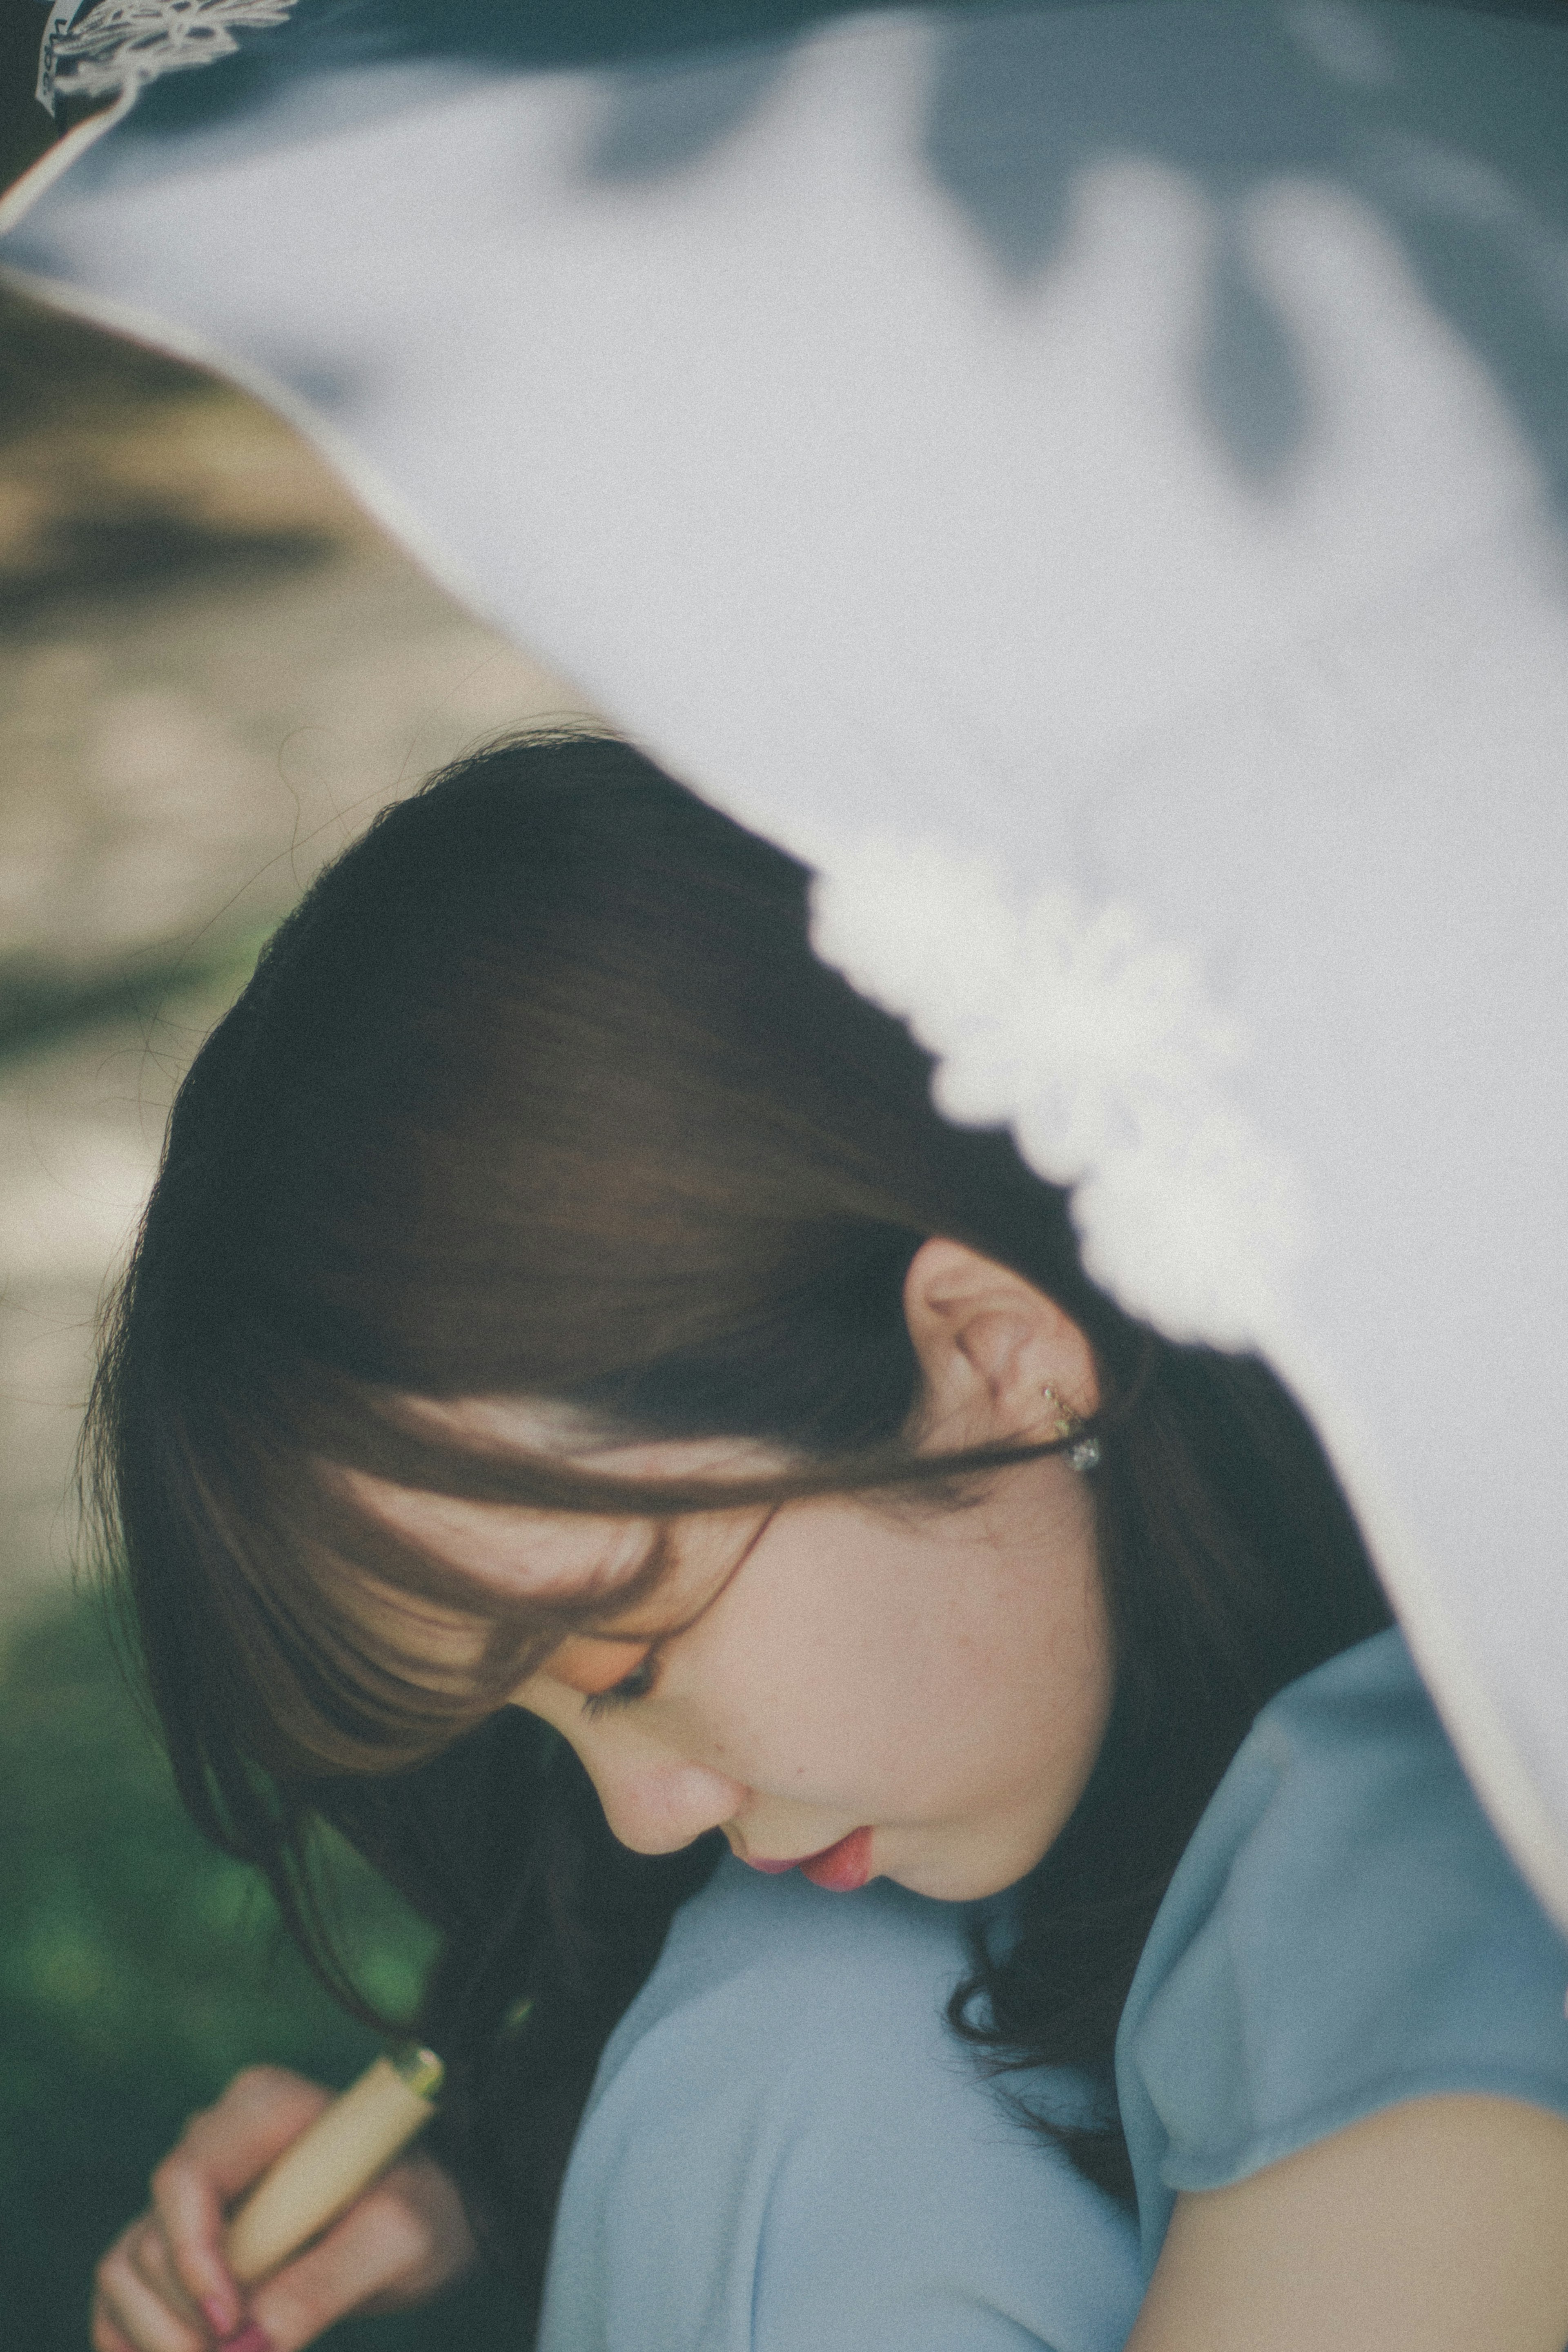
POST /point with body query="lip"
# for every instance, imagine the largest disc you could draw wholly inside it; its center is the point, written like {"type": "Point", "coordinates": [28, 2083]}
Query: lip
{"type": "Point", "coordinates": [841, 1868]}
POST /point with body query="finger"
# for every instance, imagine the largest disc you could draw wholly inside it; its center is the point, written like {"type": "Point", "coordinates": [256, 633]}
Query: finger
{"type": "Point", "coordinates": [263, 2110]}
{"type": "Point", "coordinates": [222, 2151]}
{"type": "Point", "coordinates": [147, 2250]}
{"type": "Point", "coordinates": [130, 2307]}
{"type": "Point", "coordinates": [102, 2333]}
{"type": "Point", "coordinates": [405, 2239]}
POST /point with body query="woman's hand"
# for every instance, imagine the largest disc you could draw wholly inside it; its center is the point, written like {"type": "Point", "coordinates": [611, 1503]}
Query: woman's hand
{"type": "Point", "coordinates": [163, 2286]}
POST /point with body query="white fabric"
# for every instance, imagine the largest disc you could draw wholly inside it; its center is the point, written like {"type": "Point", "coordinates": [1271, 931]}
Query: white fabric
{"type": "Point", "coordinates": [1204, 809]}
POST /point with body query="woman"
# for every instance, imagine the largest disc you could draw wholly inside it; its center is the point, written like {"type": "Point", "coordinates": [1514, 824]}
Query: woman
{"type": "Point", "coordinates": [574, 1405]}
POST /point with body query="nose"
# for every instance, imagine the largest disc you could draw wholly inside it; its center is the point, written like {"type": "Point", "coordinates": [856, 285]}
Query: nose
{"type": "Point", "coordinates": [656, 1804]}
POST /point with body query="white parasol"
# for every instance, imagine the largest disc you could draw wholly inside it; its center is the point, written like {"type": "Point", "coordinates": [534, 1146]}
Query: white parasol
{"type": "Point", "coordinates": [1093, 479]}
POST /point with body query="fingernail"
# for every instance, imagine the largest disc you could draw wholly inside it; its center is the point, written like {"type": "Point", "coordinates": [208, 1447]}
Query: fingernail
{"type": "Point", "coordinates": [250, 2338]}
{"type": "Point", "coordinates": [219, 2315]}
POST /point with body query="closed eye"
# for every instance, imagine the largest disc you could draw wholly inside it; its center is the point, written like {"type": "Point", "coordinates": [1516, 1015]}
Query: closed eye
{"type": "Point", "coordinates": [576, 1665]}
{"type": "Point", "coordinates": [630, 1688]}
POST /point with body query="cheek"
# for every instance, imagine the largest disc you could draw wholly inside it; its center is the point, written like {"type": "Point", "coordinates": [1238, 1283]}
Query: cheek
{"type": "Point", "coordinates": [826, 1681]}
{"type": "Point", "coordinates": [908, 1681]}
{"type": "Point", "coordinates": [1047, 1692]}
{"type": "Point", "coordinates": [804, 1697]}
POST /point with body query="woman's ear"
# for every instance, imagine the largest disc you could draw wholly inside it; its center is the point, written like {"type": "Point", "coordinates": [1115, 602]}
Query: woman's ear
{"type": "Point", "coordinates": [991, 1345]}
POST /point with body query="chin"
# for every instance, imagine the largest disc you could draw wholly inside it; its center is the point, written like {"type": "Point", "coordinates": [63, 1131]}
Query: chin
{"type": "Point", "coordinates": [959, 1879]}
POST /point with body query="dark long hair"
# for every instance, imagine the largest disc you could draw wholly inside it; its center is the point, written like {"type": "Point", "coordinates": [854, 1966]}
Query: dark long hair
{"type": "Point", "coordinates": [541, 1092]}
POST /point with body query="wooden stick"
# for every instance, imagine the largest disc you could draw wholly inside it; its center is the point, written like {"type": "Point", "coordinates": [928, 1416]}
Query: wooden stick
{"type": "Point", "coordinates": [333, 2162]}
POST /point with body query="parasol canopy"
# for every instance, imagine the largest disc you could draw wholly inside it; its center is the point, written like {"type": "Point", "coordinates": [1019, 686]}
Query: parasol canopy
{"type": "Point", "coordinates": [1092, 479]}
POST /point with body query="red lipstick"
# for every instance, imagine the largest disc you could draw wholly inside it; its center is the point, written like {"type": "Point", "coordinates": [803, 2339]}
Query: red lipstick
{"type": "Point", "coordinates": [840, 1868]}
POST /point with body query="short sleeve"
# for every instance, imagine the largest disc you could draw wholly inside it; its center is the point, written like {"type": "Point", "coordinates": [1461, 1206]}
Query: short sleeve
{"type": "Point", "coordinates": [787, 2146]}
{"type": "Point", "coordinates": [1345, 1932]}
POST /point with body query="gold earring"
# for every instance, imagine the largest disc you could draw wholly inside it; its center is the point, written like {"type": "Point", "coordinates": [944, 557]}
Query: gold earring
{"type": "Point", "coordinates": [1085, 1455]}
{"type": "Point", "coordinates": [1063, 1424]}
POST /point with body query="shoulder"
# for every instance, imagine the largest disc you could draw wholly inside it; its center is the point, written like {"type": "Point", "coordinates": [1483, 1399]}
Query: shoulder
{"type": "Point", "coordinates": [786, 2144]}
{"type": "Point", "coordinates": [1343, 1932]}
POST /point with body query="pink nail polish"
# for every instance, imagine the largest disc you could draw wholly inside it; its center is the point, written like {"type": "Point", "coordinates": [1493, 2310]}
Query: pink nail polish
{"type": "Point", "coordinates": [250, 2338]}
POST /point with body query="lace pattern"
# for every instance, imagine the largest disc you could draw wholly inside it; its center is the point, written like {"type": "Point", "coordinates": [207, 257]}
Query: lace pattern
{"type": "Point", "coordinates": [113, 48]}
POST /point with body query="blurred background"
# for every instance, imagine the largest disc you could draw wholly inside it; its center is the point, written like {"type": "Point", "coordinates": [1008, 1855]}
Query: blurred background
{"type": "Point", "coordinates": [214, 670]}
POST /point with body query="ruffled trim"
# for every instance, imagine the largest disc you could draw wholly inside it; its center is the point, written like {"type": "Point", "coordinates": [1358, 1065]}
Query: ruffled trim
{"type": "Point", "coordinates": [1101, 1046]}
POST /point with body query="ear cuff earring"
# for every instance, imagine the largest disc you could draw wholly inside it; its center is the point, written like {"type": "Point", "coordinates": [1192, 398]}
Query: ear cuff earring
{"type": "Point", "coordinates": [1085, 1455]}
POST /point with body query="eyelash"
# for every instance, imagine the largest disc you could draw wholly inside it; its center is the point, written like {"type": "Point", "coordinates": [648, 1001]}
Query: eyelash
{"type": "Point", "coordinates": [630, 1688]}
{"type": "Point", "coordinates": [643, 1677]}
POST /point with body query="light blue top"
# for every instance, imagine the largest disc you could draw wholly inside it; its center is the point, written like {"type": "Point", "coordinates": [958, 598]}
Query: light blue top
{"type": "Point", "coordinates": [1343, 1932]}
{"type": "Point", "coordinates": [787, 2149]}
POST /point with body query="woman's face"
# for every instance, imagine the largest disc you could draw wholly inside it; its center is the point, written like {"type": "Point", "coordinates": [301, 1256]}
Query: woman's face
{"type": "Point", "coordinates": [905, 1690]}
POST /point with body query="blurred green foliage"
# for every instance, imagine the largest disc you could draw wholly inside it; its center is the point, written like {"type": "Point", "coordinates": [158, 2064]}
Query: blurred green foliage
{"type": "Point", "coordinates": [139, 1969]}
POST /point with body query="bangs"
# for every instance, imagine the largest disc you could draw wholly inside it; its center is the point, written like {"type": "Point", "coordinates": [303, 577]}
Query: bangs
{"type": "Point", "coordinates": [353, 1649]}
{"type": "Point", "coordinates": [359, 1649]}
